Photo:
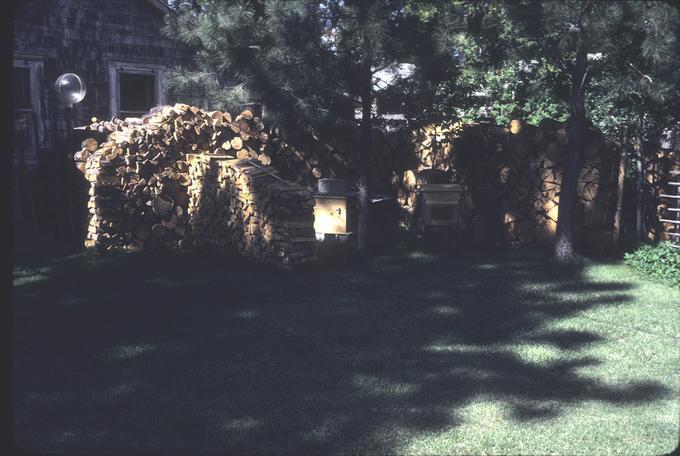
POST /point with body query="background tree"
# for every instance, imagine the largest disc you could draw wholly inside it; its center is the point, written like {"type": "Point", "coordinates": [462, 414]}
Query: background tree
{"type": "Point", "coordinates": [566, 59]}
{"type": "Point", "coordinates": [498, 67]}
{"type": "Point", "coordinates": [636, 95]}
{"type": "Point", "coordinates": [305, 61]}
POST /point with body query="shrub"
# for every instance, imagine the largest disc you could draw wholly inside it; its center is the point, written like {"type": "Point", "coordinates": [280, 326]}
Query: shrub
{"type": "Point", "coordinates": [660, 261]}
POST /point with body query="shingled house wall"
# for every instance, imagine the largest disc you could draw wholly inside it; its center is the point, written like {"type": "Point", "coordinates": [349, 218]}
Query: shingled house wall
{"type": "Point", "coordinates": [90, 38]}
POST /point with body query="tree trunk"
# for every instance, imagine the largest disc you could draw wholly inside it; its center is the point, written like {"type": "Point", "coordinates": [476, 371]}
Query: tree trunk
{"type": "Point", "coordinates": [364, 181]}
{"type": "Point", "coordinates": [619, 190]}
{"type": "Point", "coordinates": [639, 229]}
{"type": "Point", "coordinates": [365, 148]}
{"type": "Point", "coordinates": [564, 240]}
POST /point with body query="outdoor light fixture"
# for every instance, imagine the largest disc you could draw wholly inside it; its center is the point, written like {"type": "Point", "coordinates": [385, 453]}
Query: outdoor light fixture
{"type": "Point", "coordinates": [70, 89]}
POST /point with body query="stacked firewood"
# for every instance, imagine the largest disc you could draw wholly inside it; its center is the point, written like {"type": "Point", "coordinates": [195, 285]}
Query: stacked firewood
{"type": "Point", "coordinates": [511, 180]}
{"type": "Point", "coordinates": [115, 124]}
{"type": "Point", "coordinates": [514, 181]}
{"type": "Point", "coordinates": [334, 154]}
{"type": "Point", "coordinates": [433, 144]}
{"type": "Point", "coordinates": [140, 177]}
{"type": "Point", "coordinates": [312, 160]}
{"type": "Point", "coordinates": [244, 205]}
{"type": "Point", "coordinates": [133, 204]}
{"type": "Point", "coordinates": [425, 157]}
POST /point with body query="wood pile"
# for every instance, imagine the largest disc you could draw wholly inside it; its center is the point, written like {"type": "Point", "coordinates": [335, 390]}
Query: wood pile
{"type": "Point", "coordinates": [133, 204]}
{"type": "Point", "coordinates": [433, 145]}
{"type": "Point", "coordinates": [425, 157]}
{"type": "Point", "coordinates": [244, 205]}
{"type": "Point", "coordinates": [140, 179]}
{"type": "Point", "coordinates": [511, 181]}
{"type": "Point", "coordinates": [514, 181]}
{"type": "Point", "coordinates": [146, 192]}
{"type": "Point", "coordinates": [313, 158]}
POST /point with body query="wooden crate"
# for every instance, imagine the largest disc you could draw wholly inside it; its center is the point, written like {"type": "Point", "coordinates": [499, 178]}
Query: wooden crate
{"type": "Point", "coordinates": [440, 204]}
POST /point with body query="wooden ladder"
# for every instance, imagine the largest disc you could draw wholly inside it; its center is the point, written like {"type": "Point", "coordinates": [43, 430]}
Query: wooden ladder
{"type": "Point", "coordinates": [673, 213]}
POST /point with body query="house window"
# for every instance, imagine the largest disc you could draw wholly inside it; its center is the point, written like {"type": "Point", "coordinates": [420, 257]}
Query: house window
{"type": "Point", "coordinates": [21, 90]}
{"type": "Point", "coordinates": [137, 94]}
{"type": "Point", "coordinates": [24, 129]}
{"type": "Point", "coordinates": [135, 88]}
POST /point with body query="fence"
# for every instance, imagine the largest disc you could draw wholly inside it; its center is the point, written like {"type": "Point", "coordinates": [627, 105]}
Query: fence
{"type": "Point", "coordinates": [671, 221]}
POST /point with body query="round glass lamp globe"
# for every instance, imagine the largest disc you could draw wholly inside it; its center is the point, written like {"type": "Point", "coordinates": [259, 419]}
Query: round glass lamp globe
{"type": "Point", "coordinates": [70, 88]}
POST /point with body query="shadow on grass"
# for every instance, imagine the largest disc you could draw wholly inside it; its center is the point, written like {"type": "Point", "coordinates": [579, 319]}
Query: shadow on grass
{"type": "Point", "coordinates": [203, 353]}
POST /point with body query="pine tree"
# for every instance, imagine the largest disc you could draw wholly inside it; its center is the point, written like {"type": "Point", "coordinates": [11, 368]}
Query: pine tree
{"type": "Point", "coordinates": [613, 63]}
{"type": "Point", "coordinates": [310, 61]}
{"type": "Point", "coordinates": [620, 32]}
{"type": "Point", "coordinates": [629, 43]}
{"type": "Point", "coordinates": [637, 92]}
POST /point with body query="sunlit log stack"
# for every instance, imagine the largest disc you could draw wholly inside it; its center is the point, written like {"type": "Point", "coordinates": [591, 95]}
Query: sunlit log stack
{"type": "Point", "coordinates": [433, 145]}
{"type": "Point", "coordinates": [514, 181]}
{"type": "Point", "coordinates": [140, 178]}
{"type": "Point", "coordinates": [244, 205]}
{"type": "Point", "coordinates": [512, 178]}
{"type": "Point", "coordinates": [132, 206]}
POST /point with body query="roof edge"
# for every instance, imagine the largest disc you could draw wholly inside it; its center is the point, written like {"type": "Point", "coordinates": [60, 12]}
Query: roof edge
{"type": "Point", "coordinates": [161, 6]}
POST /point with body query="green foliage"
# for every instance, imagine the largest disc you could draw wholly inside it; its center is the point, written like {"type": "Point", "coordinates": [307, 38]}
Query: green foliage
{"type": "Point", "coordinates": [500, 71]}
{"type": "Point", "coordinates": [521, 55]}
{"type": "Point", "coordinates": [304, 60]}
{"type": "Point", "coordinates": [660, 261]}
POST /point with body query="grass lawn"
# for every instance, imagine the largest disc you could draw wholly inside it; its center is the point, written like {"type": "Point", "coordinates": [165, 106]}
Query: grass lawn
{"type": "Point", "coordinates": [498, 352]}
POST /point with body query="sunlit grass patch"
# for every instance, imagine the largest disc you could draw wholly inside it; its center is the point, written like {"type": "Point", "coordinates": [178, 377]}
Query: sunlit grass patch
{"type": "Point", "coordinates": [489, 426]}
{"type": "Point", "coordinates": [31, 279]}
{"type": "Point", "coordinates": [131, 351]}
{"type": "Point", "coordinates": [247, 314]}
{"type": "Point", "coordinates": [373, 385]}
{"type": "Point", "coordinates": [327, 428]}
{"type": "Point", "coordinates": [541, 354]}
{"type": "Point", "coordinates": [442, 356]}
{"type": "Point", "coordinates": [423, 257]}
{"type": "Point", "coordinates": [445, 310]}
{"type": "Point", "coordinates": [242, 424]}
{"type": "Point", "coordinates": [31, 276]}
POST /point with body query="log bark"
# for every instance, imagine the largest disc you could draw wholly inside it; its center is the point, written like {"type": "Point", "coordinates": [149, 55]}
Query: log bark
{"type": "Point", "coordinates": [162, 205]}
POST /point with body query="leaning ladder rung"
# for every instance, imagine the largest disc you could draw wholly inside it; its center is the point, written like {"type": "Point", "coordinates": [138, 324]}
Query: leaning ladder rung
{"type": "Point", "coordinates": [677, 184]}
{"type": "Point", "coordinates": [673, 234]}
{"type": "Point", "coordinates": [670, 196]}
{"type": "Point", "coordinates": [677, 222]}
{"type": "Point", "coordinates": [675, 173]}
{"type": "Point", "coordinates": [673, 209]}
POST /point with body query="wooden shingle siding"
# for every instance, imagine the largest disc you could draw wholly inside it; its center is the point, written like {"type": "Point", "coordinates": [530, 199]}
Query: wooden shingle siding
{"type": "Point", "coordinates": [86, 37]}
{"type": "Point", "coordinates": [82, 36]}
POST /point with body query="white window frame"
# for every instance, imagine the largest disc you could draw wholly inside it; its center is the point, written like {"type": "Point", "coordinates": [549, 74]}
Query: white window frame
{"type": "Point", "coordinates": [114, 70]}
